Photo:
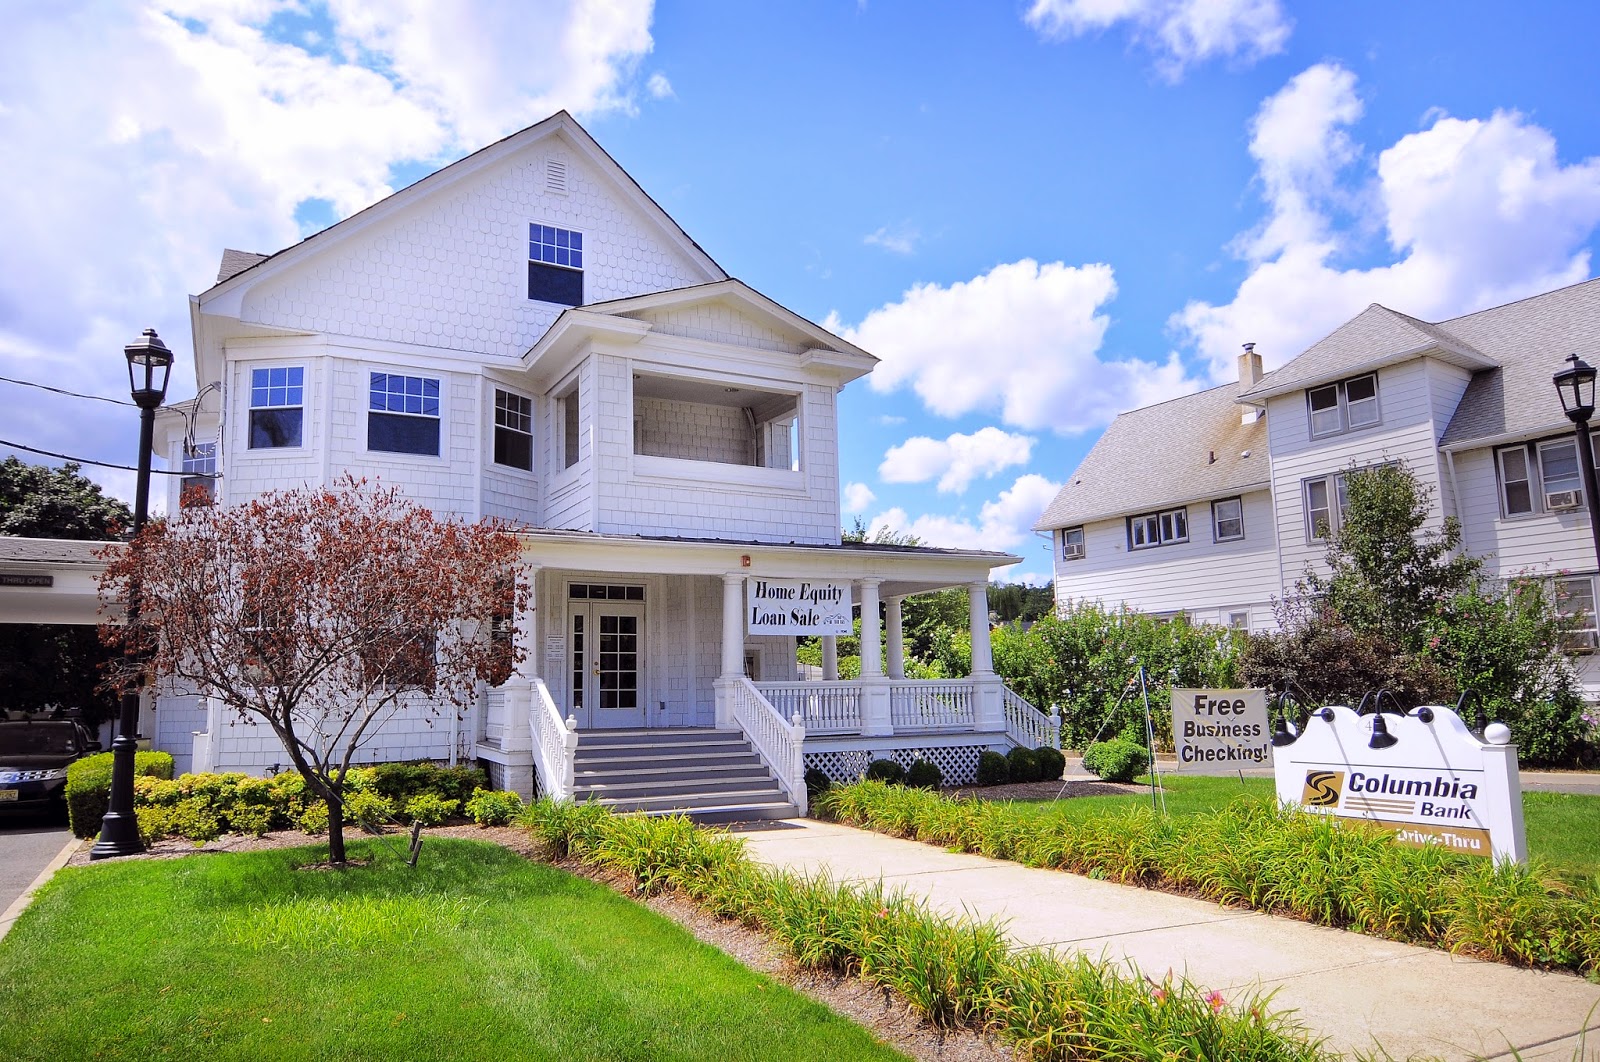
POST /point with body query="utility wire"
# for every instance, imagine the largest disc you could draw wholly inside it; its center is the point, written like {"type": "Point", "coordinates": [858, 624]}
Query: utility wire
{"type": "Point", "coordinates": [69, 394]}
{"type": "Point", "coordinates": [103, 464]}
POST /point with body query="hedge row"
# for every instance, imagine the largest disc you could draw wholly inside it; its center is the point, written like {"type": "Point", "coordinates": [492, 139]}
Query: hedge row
{"type": "Point", "coordinates": [88, 791]}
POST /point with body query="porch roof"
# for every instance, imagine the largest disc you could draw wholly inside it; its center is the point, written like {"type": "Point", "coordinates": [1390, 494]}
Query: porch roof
{"type": "Point", "coordinates": [901, 570]}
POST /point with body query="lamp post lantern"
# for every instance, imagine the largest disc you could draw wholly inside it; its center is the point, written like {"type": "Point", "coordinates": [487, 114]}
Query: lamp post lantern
{"type": "Point", "coordinates": [149, 365]}
{"type": "Point", "coordinates": [1575, 385]}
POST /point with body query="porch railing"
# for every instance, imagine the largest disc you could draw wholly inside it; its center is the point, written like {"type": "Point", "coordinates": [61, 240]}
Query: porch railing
{"type": "Point", "coordinates": [555, 744]}
{"type": "Point", "coordinates": [779, 742]}
{"type": "Point", "coordinates": [931, 705]}
{"type": "Point", "coordinates": [1028, 726]}
{"type": "Point", "coordinates": [495, 715]}
{"type": "Point", "coordinates": [824, 707]}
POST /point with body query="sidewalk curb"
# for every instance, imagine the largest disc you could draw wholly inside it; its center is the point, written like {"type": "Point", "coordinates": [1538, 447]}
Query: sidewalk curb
{"type": "Point", "coordinates": [20, 904]}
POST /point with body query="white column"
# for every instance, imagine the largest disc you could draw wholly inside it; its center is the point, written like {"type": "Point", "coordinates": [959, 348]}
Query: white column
{"type": "Point", "coordinates": [871, 632]}
{"type": "Point", "coordinates": [830, 658]}
{"type": "Point", "coordinates": [732, 626]}
{"type": "Point", "coordinates": [518, 689]}
{"type": "Point", "coordinates": [897, 642]}
{"type": "Point", "coordinates": [523, 633]}
{"type": "Point", "coordinates": [978, 608]}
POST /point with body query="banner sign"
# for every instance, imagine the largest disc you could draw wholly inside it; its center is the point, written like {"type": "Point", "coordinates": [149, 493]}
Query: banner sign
{"type": "Point", "coordinates": [799, 606]}
{"type": "Point", "coordinates": [1220, 731]}
{"type": "Point", "coordinates": [1429, 781]}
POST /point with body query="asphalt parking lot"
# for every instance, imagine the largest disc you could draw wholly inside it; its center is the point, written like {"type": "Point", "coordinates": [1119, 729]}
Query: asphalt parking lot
{"type": "Point", "coordinates": [28, 841]}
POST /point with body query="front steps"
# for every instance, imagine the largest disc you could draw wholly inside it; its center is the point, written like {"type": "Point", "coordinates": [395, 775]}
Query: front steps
{"type": "Point", "coordinates": [710, 775]}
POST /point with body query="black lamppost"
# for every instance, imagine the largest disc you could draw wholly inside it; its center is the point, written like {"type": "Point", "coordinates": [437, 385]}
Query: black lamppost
{"type": "Point", "coordinates": [1576, 387]}
{"type": "Point", "coordinates": [149, 364]}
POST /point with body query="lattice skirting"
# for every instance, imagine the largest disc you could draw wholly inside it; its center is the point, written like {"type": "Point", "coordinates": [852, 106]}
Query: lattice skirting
{"type": "Point", "coordinates": [958, 764]}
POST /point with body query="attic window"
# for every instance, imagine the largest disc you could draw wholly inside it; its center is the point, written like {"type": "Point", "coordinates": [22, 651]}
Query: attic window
{"type": "Point", "coordinates": [555, 176]}
{"type": "Point", "coordinates": [555, 265]}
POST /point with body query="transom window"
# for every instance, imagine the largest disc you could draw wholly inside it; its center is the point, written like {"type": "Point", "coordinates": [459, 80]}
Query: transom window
{"type": "Point", "coordinates": [1343, 406]}
{"type": "Point", "coordinates": [1072, 547]}
{"type": "Point", "coordinates": [513, 430]}
{"type": "Point", "coordinates": [277, 407]}
{"type": "Point", "coordinates": [1537, 477]}
{"type": "Point", "coordinates": [604, 592]}
{"type": "Point", "coordinates": [1158, 529]}
{"type": "Point", "coordinates": [403, 414]}
{"type": "Point", "coordinates": [555, 264]}
{"type": "Point", "coordinates": [1227, 519]}
{"type": "Point", "coordinates": [1327, 502]}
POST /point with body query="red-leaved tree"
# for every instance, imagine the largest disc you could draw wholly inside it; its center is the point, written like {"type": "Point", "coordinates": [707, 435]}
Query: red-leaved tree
{"type": "Point", "coordinates": [321, 612]}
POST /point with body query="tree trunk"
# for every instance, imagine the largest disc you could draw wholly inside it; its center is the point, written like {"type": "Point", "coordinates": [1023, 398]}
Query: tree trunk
{"type": "Point", "coordinates": [335, 831]}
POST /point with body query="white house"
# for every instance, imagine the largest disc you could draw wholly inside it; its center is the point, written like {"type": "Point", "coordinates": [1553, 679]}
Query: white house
{"type": "Point", "coordinates": [1215, 504]}
{"type": "Point", "coordinates": [526, 334]}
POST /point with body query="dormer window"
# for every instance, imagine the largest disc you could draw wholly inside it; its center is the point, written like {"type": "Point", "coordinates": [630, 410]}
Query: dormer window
{"type": "Point", "coordinates": [555, 265]}
{"type": "Point", "coordinates": [1344, 406]}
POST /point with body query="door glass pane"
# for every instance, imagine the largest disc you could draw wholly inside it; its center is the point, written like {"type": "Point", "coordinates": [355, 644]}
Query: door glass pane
{"type": "Point", "coordinates": [577, 660]}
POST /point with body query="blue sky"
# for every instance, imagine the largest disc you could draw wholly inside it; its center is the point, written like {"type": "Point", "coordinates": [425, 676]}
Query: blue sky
{"type": "Point", "coordinates": [1036, 213]}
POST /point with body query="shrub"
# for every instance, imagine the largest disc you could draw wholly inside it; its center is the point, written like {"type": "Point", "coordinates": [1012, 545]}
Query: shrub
{"type": "Point", "coordinates": [1052, 765]}
{"type": "Point", "coordinates": [924, 775]}
{"type": "Point", "coordinates": [992, 768]}
{"type": "Point", "coordinates": [1022, 766]}
{"type": "Point", "coordinates": [493, 807]}
{"type": "Point", "coordinates": [88, 788]}
{"type": "Point", "coordinates": [192, 818]}
{"type": "Point", "coordinates": [886, 771]}
{"type": "Point", "coordinates": [1117, 760]}
{"type": "Point", "coordinates": [367, 809]}
{"type": "Point", "coordinates": [314, 818]}
{"type": "Point", "coordinates": [429, 809]}
{"type": "Point", "coordinates": [817, 783]}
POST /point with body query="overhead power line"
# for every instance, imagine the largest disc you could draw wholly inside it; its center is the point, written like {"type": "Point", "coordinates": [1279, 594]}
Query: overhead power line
{"type": "Point", "coordinates": [69, 394]}
{"type": "Point", "coordinates": [102, 464]}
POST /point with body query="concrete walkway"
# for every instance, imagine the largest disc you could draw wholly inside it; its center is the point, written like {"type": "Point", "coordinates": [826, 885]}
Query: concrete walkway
{"type": "Point", "coordinates": [1355, 990]}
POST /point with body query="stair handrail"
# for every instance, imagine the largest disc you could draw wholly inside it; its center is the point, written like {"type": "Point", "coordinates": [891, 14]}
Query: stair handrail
{"type": "Point", "coordinates": [1026, 723]}
{"type": "Point", "coordinates": [779, 742]}
{"type": "Point", "coordinates": [555, 744]}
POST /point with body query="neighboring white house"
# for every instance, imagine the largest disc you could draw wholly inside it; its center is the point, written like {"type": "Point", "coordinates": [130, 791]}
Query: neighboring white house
{"type": "Point", "coordinates": [526, 334]}
{"type": "Point", "coordinates": [1214, 505]}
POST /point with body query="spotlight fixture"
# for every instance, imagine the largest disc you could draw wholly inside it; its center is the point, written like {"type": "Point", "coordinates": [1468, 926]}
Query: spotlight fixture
{"type": "Point", "coordinates": [1381, 738]}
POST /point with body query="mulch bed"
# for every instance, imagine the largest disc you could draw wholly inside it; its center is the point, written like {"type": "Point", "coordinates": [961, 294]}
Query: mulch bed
{"type": "Point", "coordinates": [1043, 790]}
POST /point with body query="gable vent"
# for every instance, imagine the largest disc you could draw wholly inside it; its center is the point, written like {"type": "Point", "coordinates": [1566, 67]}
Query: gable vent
{"type": "Point", "coordinates": [555, 176]}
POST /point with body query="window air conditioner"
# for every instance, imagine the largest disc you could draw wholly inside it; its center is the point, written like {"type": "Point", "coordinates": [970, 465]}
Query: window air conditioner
{"type": "Point", "coordinates": [1072, 551]}
{"type": "Point", "coordinates": [1561, 499]}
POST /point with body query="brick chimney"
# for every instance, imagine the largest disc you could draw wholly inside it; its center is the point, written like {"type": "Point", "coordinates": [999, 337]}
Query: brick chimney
{"type": "Point", "coordinates": [1250, 375]}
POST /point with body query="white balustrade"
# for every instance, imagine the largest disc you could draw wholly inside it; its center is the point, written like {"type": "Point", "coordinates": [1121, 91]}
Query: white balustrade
{"type": "Point", "coordinates": [779, 742]}
{"type": "Point", "coordinates": [495, 715]}
{"type": "Point", "coordinates": [931, 705]}
{"type": "Point", "coordinates": [824, 707]}
{"type": "Point", "coordinates": [1028, 726]}
{"type": "Point", "coordinates": [555, 744]}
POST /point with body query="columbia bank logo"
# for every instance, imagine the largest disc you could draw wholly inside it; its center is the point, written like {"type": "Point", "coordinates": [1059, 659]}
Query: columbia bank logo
{"type": "Point", "coordinates": [1323, 789]}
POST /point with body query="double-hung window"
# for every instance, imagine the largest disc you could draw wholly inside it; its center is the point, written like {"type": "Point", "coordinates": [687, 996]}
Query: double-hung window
{"type": "Point", "coordinates": [1537, 477]}
{"type": "Point", "coordinates": [1327, 501]}
{"type": "Point", "coordinates": [513, 430]}
{"type": "Point", "coordinates": [199, 468]}
{"type": "Point", "coordinates": [403, 414]}
{"type": "Point", "coordinates": [555, 265]}
{"type": "Point", "coordinates": [277, 407]}
{"type": "Point", "coordinates": [1158, 528]}
{"type": "Point", "coordinates": [1575, 603]}
{"type": "Point", "coordinates": [1227, 519]}
{"type": "Point", "coordinates": [1072, 543]}
{"type": "Point", "coordinates": [1561, 473]}
{"type": "Point", "coordinates": [1343, 406]}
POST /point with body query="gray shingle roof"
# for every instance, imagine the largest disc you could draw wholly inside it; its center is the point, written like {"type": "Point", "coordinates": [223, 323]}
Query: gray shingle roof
{"type": "Point", "coordinates": [1163, 455]}
{"type": "Point", "coordinates": [1375, 336]}
{"type": "Point", "coordinates": [236, 262]}
{"type": "Point", "coordinates": [1529, 339]}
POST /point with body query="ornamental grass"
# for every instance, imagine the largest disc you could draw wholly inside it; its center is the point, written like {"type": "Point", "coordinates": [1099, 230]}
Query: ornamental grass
{"type": "Point", "coordinates": [1337, 873]}
{"type": "Point", "coordinates": [954, 973]}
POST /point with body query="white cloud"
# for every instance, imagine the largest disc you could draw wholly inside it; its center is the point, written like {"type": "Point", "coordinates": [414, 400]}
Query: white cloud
{"type": "Point", "coordinates": [143, 139]}
{"type": "Point", "coordinates": [1476, 212]}
{"type": "Point", "coordinates": [857, 496]}
{"type": "Point", "coordinates": [901, 238]}
{"type": "Point", "coordinates": [1021, 339]}
{"type": "Point", "coordinates": [955, 461]}
{"type": "Point", "coordinates": [659, 87]}
{"type": "Point", "coordinates": [1179, 32]}
{"type": "Point", "coordinates": [1002, 524]}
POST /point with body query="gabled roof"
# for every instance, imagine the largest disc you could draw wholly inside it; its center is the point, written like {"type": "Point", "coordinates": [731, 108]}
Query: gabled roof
{"type": "Point", "coordinates": [1375, 337]}
{"type": "Point", "coordinates": [560, 122]}
{"type": "Point", "coordinates": [236, 262]}
{"type": "Point", "coordinates": [1529, 339]}
{"type": "Point", "coordinates": [1185, 450]}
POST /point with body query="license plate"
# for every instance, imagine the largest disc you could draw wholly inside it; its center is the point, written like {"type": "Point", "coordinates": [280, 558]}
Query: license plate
{"type": "Point", "coordinates": [7, 794]}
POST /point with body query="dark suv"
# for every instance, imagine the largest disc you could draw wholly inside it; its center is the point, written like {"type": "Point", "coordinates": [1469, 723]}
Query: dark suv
{"type": "Point", "coordinates": [34, 755]}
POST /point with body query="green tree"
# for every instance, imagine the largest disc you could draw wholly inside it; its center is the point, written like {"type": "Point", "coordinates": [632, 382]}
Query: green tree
{"type": "Point", "coordinates": [43, 665]}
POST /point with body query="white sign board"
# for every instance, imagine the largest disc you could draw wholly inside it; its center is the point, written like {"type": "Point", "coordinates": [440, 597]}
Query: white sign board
{"type": "Point", "coordinates": [798, 606]}
{"type": "Point", "coordinates": [1220, 731]}
{"type": "Point", "coordinates": [1430, 781]}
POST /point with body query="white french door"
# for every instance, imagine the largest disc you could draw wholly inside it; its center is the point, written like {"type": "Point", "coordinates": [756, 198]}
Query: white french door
{"type": "Point", "coordinates": [605, 632]}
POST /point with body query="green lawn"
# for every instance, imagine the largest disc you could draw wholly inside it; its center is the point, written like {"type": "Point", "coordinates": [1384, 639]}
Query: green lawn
{"type": "Point", "coordinates": [475, 954]}
{"type": "Point", "coordinates": [1563, 829]}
